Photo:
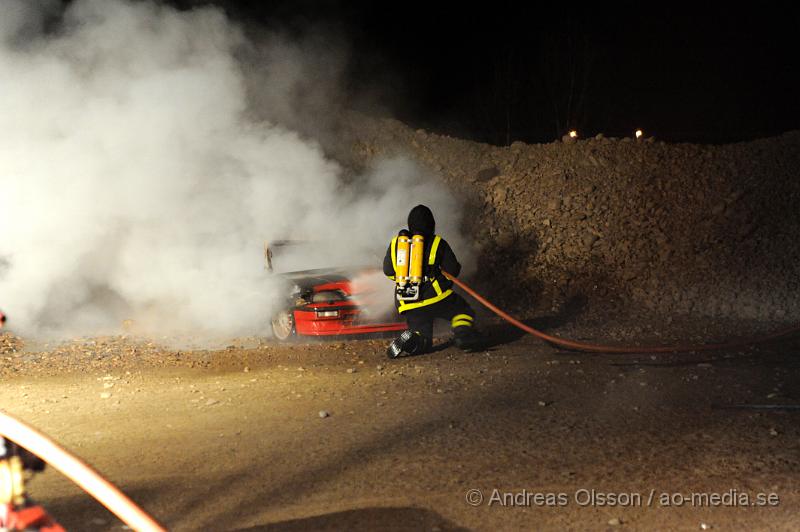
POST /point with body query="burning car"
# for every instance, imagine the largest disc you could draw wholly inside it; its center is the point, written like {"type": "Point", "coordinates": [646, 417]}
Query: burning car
{"type": "Point", "coordinates": [329, 301]}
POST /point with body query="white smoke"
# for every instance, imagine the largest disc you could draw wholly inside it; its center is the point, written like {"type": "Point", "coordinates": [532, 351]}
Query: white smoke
{"type": "Point", "coordinates": [135, 184]}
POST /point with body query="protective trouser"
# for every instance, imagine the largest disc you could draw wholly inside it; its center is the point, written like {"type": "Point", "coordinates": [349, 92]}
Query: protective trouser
{"type": "Point", "coordinates": [420, 324]}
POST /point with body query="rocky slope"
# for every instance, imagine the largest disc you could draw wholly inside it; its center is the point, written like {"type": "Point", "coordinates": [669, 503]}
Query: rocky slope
{"type": "Point", "coordinates": [632, 224]}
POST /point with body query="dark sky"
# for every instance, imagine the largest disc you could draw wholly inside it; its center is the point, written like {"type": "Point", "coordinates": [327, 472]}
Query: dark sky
{"type": "Point", "coordinates": [508, 71]}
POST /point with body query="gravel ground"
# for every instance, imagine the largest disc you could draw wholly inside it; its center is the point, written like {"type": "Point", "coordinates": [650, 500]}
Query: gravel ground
{"type": "Point", "coordinates": [331, 435]}
{"type": "Point", "coordinates": [672, 229]}
{"type": "Point", "coordinates": [601, 239]}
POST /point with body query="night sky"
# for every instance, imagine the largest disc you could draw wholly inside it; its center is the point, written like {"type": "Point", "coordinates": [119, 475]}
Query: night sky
{"type": "Point", "coordinates": [506, 71]}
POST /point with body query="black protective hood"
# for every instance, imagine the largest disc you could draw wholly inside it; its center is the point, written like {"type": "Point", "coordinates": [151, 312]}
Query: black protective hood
{"type": "Point", "coordinates": [420, 221]}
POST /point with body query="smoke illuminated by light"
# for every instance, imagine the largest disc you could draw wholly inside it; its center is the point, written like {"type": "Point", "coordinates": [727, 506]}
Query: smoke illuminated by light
{"type": "Point", "coordinates": [137, 184]}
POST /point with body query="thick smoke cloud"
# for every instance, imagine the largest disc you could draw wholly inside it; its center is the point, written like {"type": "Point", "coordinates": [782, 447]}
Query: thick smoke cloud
{"type": "Point", "coordinates": [136, 183]}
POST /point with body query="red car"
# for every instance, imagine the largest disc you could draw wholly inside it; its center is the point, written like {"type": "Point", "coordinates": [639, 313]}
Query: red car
{"type": "Point", "coordinates": [331, 301]}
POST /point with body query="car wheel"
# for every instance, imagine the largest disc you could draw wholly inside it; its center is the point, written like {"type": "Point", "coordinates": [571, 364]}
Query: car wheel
{"type": "Point", "coordinates": [283, 325]}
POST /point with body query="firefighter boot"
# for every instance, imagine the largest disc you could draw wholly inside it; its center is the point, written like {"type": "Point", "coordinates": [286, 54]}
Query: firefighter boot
{"type": "Point", "coordinates": [467, 339]}
{"type": "Point", "coordinates": [399, 344]}
{"type": "Point", "coordinates": [412, 342]}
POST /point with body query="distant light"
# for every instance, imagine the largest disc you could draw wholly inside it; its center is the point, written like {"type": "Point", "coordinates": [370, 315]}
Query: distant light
{"type": "Point", "coordinates": [573, 134]}
{"type": "Point", "coordinates": [639, 133]}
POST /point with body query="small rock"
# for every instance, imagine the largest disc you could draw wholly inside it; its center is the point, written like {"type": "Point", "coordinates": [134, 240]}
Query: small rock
{"type": "Point", "coordinates": [615, 521]}
{"type": "Point", "coordinates": [351, 370]}
{"type": "Point", "coordinates": [107, 385]}
{"type": "Point", "coordinates": [246, 369]}
{"type": "Point", "coordinates": [499, 194]}
{"type": "Point", "coordinates": [542, 403]}
{"type": "Point", "coordinates": [324, 413]}
{"type": "Point", "coordinates": [105, 395]}
{"type": "Point", "coordinates": [704, 526]}
{"type": "Point", "coordinates": [773, 432]}
{"type": "Point", "coordinates": [211, 402]}
{"type": "Point", "coordinates": [487, 173]}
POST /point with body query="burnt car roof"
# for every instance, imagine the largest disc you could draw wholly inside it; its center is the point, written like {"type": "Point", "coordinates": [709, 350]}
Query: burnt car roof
{"type": "Point", "coordinates": [309, 278]}
{"type": "Point", "coordinates": [344, 270]}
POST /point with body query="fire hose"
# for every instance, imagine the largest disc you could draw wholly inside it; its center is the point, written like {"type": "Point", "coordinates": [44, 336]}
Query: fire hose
{"type": "Point", "coordinates": [83, 475]}
{"type": "Point", "coordinates": [597, 348]}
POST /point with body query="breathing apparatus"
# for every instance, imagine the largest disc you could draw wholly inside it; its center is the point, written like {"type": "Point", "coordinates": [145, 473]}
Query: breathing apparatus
{"type": "Point", "coordinates": [409, 258]}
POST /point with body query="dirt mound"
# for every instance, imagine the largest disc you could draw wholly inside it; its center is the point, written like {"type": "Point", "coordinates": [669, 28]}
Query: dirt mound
{"type": "Point", "coordinates": [639, 224]}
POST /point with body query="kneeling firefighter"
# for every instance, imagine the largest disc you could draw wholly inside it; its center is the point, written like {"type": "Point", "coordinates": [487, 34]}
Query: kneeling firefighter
{"type": "Point", "coordinates": [415, 260]}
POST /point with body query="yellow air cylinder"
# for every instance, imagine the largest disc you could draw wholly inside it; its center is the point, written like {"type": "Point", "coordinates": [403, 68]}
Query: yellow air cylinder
{"type": "Point", "coordinates": [402, 258]}
{"type": "Point", "coordinates": [417, 256]}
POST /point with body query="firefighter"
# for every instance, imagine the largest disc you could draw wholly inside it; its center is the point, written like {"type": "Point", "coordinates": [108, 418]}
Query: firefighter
{"type": "Point", "coordinates": [435, 297]}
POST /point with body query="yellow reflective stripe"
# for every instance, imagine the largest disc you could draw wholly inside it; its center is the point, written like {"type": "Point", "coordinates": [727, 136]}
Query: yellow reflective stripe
{"type": "Point", "coordinates": [460, 317]}
{"type": "Point", "coordinates": [436, 287]}
{"type": "Point", "coordinates": [434, 247]}
{"type": "Point", "coordinates": [391, 277]}
{"type": "Point", "coordinates": [462, 323]}
{"type": "Point", "coordinates": [394, 255]}
{"type": "Point", "coordinates": [410, 306]}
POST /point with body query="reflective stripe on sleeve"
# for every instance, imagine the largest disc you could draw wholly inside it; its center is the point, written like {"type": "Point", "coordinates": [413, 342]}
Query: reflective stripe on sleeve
{"type": "Point", "coordinates": [434, 248]}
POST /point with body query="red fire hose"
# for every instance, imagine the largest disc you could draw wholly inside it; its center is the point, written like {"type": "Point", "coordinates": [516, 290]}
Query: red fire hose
{"type": "Point", "coordinates": [80, 473]}
{"type": "Point", "coordinates": [597, 348]}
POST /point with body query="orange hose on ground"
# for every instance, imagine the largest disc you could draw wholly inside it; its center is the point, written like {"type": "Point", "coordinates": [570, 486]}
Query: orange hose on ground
{"type": "Point", "coordinates": [596, 348]}
{"type": "Point", "coordinates": [83, 475]}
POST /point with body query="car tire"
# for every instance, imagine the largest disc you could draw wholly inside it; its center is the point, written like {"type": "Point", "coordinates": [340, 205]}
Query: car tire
{"type": "Point", "coordinates": [283, 325]}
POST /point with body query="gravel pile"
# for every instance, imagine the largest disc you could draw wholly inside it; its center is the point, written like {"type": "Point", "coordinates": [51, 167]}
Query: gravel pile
{"type": "Point", "coordinates": [634, 224]}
